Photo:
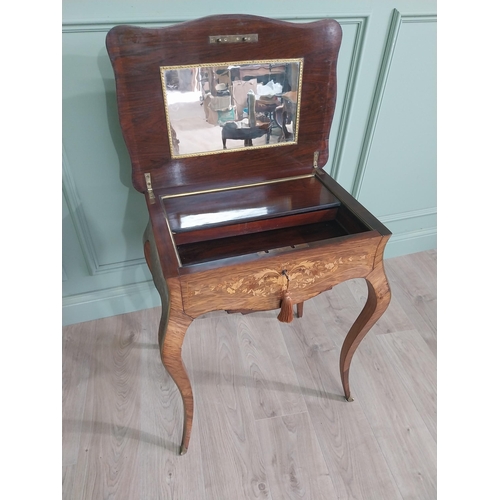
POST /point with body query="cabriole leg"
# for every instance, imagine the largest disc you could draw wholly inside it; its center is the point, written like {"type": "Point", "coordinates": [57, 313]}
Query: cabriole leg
{"type": "Point", "coordinates": [173, 326]}
{"type": "Point", "coordinates": [379, 296]}
{"type": "Point", "coordinates": [171, 356]}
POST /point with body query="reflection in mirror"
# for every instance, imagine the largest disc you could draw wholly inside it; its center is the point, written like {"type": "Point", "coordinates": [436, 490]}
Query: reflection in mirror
{"type": "Point", "coordinates": [229, 106]}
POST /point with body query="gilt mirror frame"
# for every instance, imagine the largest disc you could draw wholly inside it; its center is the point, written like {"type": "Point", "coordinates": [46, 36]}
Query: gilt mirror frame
{"type": "Point", "coordinates": [234, 119]}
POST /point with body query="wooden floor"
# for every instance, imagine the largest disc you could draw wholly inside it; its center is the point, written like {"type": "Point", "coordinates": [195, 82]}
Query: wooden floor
{"type": "Point", "coordinates": [270, 419]}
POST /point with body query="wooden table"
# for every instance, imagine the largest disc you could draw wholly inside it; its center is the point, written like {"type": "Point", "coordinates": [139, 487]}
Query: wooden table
{"type": "Point", "coordinates": [251, 229]}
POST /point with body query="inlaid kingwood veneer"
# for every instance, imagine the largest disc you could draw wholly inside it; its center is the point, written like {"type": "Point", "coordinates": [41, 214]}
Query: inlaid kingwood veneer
{"type": "Point", "coordinates": [257, 227]}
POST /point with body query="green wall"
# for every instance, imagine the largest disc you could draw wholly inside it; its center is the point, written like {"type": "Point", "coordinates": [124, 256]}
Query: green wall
{"type": "Point", "coordinates": [383, 140]}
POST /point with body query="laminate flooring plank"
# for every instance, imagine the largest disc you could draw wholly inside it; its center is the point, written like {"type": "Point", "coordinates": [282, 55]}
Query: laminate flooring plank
{"type": "Point", "coordinates": [164, 475]}
{"type": "Point", "coordinates": [294, 462]}
{"type": "Point", "coordinates": [394, 318]}
{"type": "Point", "coordinates": [233, 467]}
{"type": "Point", "coordinates": [355, 461]}
{"type": "Point", "coordinates": [416, 292]}
{"type": "Point", "coordinates": [403, 436]}
{"type": "Point", "coordinates": [426, 262]}
{"type": "Point", "coordinates": [346, 300]}
{"type": "Point", "coordinates": [423, 279]}
{"type": "Point", "coordinates": [76, 354]}
{"type": "Point", "coordinates": [407, 444]}
{"type": "Point", "coordinates": [339, 306]}
{"type": "Point", "coordinates": [68, 477]}
{"type": "Point", "coordinates": [307, 340]}
{"type": "Point", "coordinates": [416, 366]}
{"type": "Point", "coordinates": [272, 381]}
{"type": "Point", "coordinates": [107, 462]}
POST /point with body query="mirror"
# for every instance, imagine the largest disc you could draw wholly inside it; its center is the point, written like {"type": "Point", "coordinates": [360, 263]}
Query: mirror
{"type": "Point", "coordinates": [223, 107]}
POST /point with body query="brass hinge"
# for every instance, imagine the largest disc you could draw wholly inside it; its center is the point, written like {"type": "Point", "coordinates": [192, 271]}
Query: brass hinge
{"type": "Point", "coordinates": [150, 188]}
{"type": "Point", "coordinates": [249, 38]}
{"type": "Point", "coordinates": [315, 159]}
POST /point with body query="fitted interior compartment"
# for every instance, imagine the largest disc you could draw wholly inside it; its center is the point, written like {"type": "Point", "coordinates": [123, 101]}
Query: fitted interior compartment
{"type": "Point", "coordinates": [261, 218]}
{"type": "Point", "coordinates": [218, 208]}
{"type": "Point", "coordinates": [340, 222]}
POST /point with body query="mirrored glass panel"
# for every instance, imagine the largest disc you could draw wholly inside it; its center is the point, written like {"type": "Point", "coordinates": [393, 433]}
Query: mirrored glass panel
{"type": "Point", "coordinates": [224, 107]}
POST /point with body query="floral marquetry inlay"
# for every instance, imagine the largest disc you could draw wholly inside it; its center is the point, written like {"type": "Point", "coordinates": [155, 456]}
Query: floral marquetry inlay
{"type": "Point", "coordinates": [269, 281]}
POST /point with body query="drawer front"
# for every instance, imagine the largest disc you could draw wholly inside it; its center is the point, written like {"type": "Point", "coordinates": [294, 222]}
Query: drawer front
{"type": "Point", "coordinates": [259, 285]}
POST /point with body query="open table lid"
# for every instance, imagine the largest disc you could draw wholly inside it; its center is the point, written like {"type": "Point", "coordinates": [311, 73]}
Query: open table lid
{"type": "Point", "coordinates": [142, 58]}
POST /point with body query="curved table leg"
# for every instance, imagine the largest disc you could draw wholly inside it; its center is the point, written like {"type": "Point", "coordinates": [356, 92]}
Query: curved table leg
{"type": "Point", "coordinates": [379, 296]}
{"type": "Point", "coordinates": [171, 340]}
{"type": "Point", "coordinates": [173, 326]}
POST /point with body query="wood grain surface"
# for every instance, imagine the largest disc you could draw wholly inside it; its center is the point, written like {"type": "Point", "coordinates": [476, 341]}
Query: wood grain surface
{"type": "Point", "coordinates": [229, 441]}
{"type": "Point", "coordinates": [137, 53]}
{"type": "Point", "coordinates": [161, 427]}
{"type": "Point", "coordinates": [259, 285]}
{"type": "Point", "coordinates": [266, 359]}
{"type": "Point", "coordinates": [340, 426]}
{"type": "Point", "coordinates": [271, 420]}
{"type": "Point", "coordinates": [293, 456]}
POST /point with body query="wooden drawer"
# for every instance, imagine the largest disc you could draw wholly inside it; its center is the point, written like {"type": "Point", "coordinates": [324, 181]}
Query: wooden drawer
{"type": "Point", "coordinates": [260, 286]}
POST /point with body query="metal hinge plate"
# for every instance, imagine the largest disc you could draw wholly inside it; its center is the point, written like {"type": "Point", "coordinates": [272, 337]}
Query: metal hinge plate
{"type": "Point", "coordinates": [234, 38]}
{"type": "Point", "coordinates": [149, 187]}
{"type": "Point", "coordinates": [315, 159]}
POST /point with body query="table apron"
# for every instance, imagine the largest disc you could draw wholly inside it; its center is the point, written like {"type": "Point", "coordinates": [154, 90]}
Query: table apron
{"type": "Point", "coordinates": [260, 285]}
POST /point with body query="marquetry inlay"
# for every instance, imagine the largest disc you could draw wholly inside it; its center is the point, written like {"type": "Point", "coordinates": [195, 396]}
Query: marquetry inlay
{"type": "Point", "coordinates": [269, 281]}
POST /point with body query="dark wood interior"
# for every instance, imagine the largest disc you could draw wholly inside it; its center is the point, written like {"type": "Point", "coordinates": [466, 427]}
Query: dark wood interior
{"type": "Point", "coordinates": [264, 242]}
{"type": "Point", "coordinates": [221, 208]}
{"type": "Point", "coordinates": [295, 213]}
